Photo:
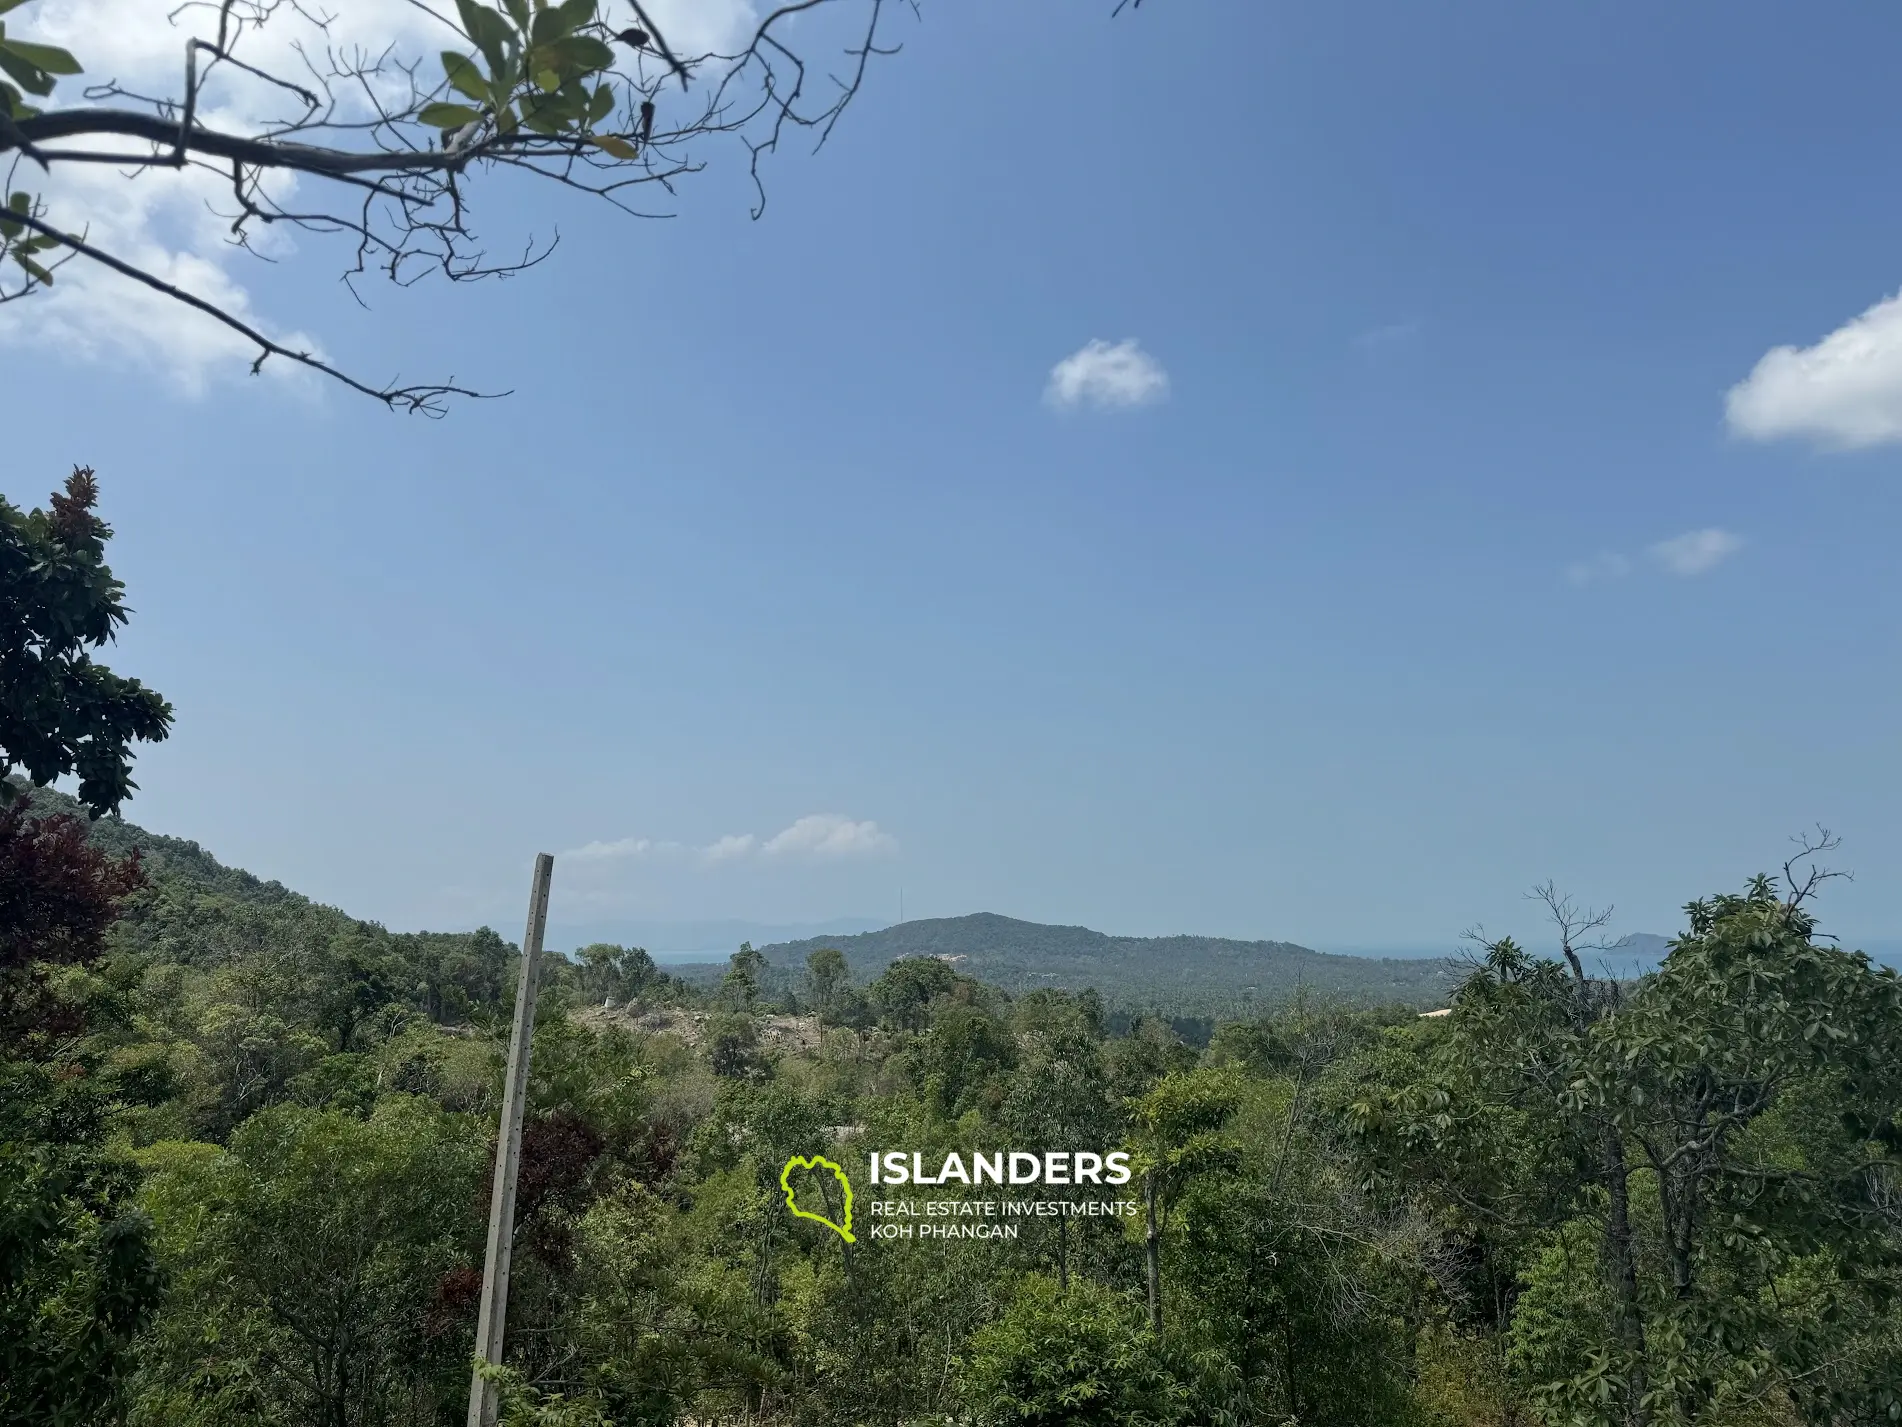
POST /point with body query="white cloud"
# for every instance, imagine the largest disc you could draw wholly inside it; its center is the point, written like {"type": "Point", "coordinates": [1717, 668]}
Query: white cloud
{"type": "Point", "coordinates": [169, 223]}
{"type": "Point", "coordinates": [1843, 393]}
{"type": "Point", "coordinates": [828, 835]}
{"type": "Point", "coordinates": [822, 836]}
{"type": "Point", "coordinates": [622, 848]}
{"type": "Point", "coordinates": [1606, 565]}
{"type": "Point", "coordinates": [728, 848]}
{"type": "Point", "coordinates": [1695, 552]}
{"type": "Point", "coordinates": [1102, 374]}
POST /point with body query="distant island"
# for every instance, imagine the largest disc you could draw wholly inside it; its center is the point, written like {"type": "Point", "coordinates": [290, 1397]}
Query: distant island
{"type": "Point", "coordinates": [1189, 974]}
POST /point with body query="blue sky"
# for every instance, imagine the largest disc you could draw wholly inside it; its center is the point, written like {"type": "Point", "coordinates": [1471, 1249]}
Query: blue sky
{"type": "Point", "coordinates": [1367, 623]}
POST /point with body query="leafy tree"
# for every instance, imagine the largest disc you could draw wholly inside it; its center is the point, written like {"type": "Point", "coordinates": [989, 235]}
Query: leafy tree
{"type": "Point", "coordinates": [58, 896]}
{"type": "Point", "coordinates": [307, 1262]}
{"type": "Point", "coordinates": [1183, 1130]}
{"type": "Point", "coordinates": [615, 973]}
{"type": "Point", "coordinates": [581, 94]}
{"type": "Point", "coordinates": [78, 1279]}
{"type": "Point", "coordinates": [647, 1328]}
{"type": "Point", "coordinates": [1135, 1061]}
{"type": "Point", "coordinates": [827, 978]}
{"type": "Point", "coordinates": [1076, 1358]}
{"type": "Point", "coordinates": [252, 1028]}
{"type": "Point", "coordinates": [1059, 1096]}
{"type": "Point", "coordinates": [1289, 1288]}
{"type": "Point", "coordinates": [360, 986]}
{"type": "Point", "coordinates": [962, 1057]}
{"type": "Point", "coordinates": [519, 1403]}
{"type": "Point", "coordinates": [60, 712]}
{"type": "Point", "coordinates": [733, 1048]}
{"type": "Point", "coordinates": [1682, 1206]}
{"type": "Point", "coordinates": [904, 993]}
{"type": "Point", "coordinates": [746, 975]}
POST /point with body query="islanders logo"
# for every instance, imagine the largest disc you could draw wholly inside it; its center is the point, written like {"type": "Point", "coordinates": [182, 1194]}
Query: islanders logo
{"type": "Point", "coordinates": [819, 1164]}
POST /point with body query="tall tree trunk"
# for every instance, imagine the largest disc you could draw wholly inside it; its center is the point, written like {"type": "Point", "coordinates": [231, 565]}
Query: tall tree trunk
{"type": "Point", "coordinates": [1677, 1195]}
{"type": "Point", "coordinates": [1287, 1360]}
{"type": "Point", "coordinates": [1152, 1258]}
{"type": "Point", "coordinates": [1624, 1272]}
{"type": "Point", "coordinates": [1063, 1253]}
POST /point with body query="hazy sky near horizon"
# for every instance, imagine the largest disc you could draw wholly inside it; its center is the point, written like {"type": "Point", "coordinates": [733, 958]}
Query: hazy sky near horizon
{"type": "Point", "coordinates": [1263, 470]}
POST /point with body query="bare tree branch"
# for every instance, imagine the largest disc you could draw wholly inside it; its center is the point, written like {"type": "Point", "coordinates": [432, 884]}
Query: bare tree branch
{"type": "Point", "coordinates": [426, 400]}
{"type": "Point", "coordinates": [1573, 924]}
{"type": "Point", "coordinates": [1801, 882]}
{"type": "Point", "coordinates": [393, 148]}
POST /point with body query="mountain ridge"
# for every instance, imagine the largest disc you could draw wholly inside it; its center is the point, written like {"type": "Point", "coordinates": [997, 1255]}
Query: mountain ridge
{"type": "Point", "coordinates": [1182, 971]}
{"type": "Point", "coordinates": [1186, 974]}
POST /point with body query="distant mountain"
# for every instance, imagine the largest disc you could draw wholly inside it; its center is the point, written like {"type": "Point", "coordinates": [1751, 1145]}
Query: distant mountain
{"type": "Point", "coordinates": [701, 941]}
{"type": "Point", "coordinates": [202, 911]}
{"type": "Point", "coordinates": [1631, 955]}
{"type": "Point", "coordinates": [1884, 950]}
{"type": "Point", "coordinates": [1189, 974]}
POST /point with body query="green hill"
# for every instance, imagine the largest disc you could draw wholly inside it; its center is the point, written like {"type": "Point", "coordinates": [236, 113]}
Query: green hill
{"type": "Point", "coordinates": [201, 913]}
{"type": "Point", "coordinates": [198, 913]}
{"type": "Point", "coordinates": [1190, 974]}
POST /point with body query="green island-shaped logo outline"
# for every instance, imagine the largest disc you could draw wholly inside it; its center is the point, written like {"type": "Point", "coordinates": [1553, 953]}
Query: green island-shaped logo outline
{"type": "Point", "coordinates": [819, 1161]}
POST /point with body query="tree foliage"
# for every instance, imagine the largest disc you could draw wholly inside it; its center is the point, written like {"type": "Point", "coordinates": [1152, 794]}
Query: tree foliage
{"type": "Point", "coordinates": [61, 713]}
{"type": "Point", "coordinates": [1363, 1217]}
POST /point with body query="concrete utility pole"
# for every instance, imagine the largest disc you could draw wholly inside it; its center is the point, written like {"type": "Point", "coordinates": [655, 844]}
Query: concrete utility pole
{"type": "Point", "coordinates": [508, 1155]}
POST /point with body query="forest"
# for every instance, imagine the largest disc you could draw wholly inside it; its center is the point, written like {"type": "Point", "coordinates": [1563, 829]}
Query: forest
{"type": "Point", "coordinates": [246, 1144]}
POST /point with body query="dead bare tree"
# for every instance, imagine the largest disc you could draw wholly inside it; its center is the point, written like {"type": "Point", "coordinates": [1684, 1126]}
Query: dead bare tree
{"type": "Point", "coordinates": [575, 94]}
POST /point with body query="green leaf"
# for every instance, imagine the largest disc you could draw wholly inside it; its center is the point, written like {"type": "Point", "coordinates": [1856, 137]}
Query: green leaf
{"type": "Point", "coordinates": [577, 13]}
{"type": "Point", "coordinates": [518, 12]}
{"type": "Point", "coordinates": [548, 81]}
{"type": "Point", "coordinates": [569, 104]}
{"type": "Point", "coordinates": [542, 109]}
{"type": "Point", "coordinates": [490, 32]}
{"type": "Point", "coordinates": [601, 105]}
{"type": "Point", "coordinates": [447, 116]}
{"type": "Point", "coordinates": [464, 77]}
{"type": "Point", "coordinates": [550, 25]}
{"type": "Point", "coordinates": [50, 58]}
{"type": "Point", "coordinates": [34, 268]}
{"type": "Point", "coordinates": [31, 78]}
{"type": "Point", "coordinates": [502, 83]}
{"type": "Point", "coordinates": [614, 144]}
{"type": "Point", "coordinates": [584, 52]}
